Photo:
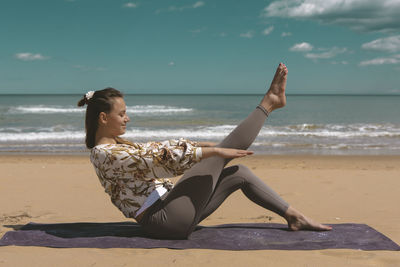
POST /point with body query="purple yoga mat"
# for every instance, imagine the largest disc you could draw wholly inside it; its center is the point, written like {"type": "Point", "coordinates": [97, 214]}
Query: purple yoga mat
{"type": "Point", "coordinates": [227, 237]}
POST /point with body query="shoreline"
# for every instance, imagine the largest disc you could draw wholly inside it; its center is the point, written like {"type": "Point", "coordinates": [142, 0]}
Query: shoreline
{"type": "Point", "coordinates": [257, 153]}
{"type": "Point", "coordinates": [4, 157]}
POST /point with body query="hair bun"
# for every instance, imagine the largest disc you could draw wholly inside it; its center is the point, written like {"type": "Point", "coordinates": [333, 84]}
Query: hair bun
{"type": "Point", "coordinates": [85, 99]}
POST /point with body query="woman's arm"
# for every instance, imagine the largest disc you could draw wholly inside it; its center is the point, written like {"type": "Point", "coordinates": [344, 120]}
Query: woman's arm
{"type": "Point", "coordinates": [149, 160]}
{"type": "Point", "coordinates": [206, 144]}
{"type": "Point", "coordinates": [224, 152]}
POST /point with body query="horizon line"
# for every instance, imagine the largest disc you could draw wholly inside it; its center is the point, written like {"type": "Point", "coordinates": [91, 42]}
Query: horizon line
{"type": "Point", "coordinates": [222, 94]}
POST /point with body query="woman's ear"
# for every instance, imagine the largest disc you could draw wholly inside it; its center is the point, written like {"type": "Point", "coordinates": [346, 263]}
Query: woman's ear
{"type": "Point", "coordinates": [103, 118]}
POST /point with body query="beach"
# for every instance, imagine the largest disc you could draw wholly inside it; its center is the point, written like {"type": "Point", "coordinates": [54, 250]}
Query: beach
{"type": "Point", "coordinates": [328, 188]}
{"type": "Point", "coordinates": [312, 87]}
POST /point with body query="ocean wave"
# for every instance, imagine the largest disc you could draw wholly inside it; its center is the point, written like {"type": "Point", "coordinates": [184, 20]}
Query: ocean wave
{"type": "Point", "coordinates": [144, 109]}
{"type": "Point", "coordinates": [137, 109]}
{"type": "Point", "coordinates": [351, 131]}
{"type": "Point", "coordinates": [290, 132]}
{"type": "Point", "coordinates": [42, 136]}
{"type": "Point", "coordinates": [43, 145]}
{"type": "Point", "coordinates": [287, 146]}
{"type": "Point", "coordinates": [334, 130]}
{"type": "Point", "coordinates": [42, 109]}
{"type": "Point", "coordinates": [32, 129]}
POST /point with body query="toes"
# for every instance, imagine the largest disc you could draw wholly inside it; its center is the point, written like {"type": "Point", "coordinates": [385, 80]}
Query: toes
{"type": "Point", "coordinates": [285, 69]}
{"type": "Point", "coordinates": [280, 74]}
{"type": "Point", "coordinates": [284, 73]}
{"type": "Point", "coordinates": [322, 227]}
{"type": "Point", "coordinates": [283, 77]}
{"type": "Point", "coordinates": [282, 69]}
{"type": "Point", "coordinates": [279, 69]}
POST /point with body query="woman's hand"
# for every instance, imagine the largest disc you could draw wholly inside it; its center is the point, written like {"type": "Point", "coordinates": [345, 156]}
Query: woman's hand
{"type": "Point", "coordinates": [228, 153]}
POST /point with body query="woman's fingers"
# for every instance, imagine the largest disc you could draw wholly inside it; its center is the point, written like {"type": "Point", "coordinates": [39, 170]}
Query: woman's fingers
{"type": "Point", "coordinates": [233, 153]}
{"type": "Point", "coordinates": [247, 152]}
{"type": "Point", "coordinates": [243, 153]}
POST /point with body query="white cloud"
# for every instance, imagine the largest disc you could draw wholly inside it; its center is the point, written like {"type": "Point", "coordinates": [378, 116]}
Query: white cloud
{"type": "Point", "coordinates": [323, 54]}
{"type": "Point", "coordinates": [284, 34]}
{"type": "Point", "coordinates": [249, 34]}
{"type": "Point", "coordinates": [181, 8]}
{"type": "Point", "coordinates": [223, 34]}
{"type": "Point", "coordinates": [268, 30]}
{"type": "Point", "coordinates": [343, 62]}
{"type": "Point", "coordinates": [388, 44]}
{"type": "Point", "coordinates": [359, 15]}
{"type": "Point", "coordinates": [301, 47]}
{"type": "Point", "coordinates": [198, 4]}
{"type": "Point", "coordinates": [130, 5]}
{"type": "Point", "coordinates": [30, 56]}
{"type": "Point", "coordinates": [381, 61]}
{"type": "Point", "coordinates": [332, 52]}
{"type": "Point", "coordinates": [171, 63]}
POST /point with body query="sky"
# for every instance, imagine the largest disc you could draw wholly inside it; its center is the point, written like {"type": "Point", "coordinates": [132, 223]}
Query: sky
{"type": "Point", "coordinates": [199, 47]}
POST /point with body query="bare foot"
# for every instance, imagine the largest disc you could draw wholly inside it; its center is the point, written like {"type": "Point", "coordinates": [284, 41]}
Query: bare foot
{"type": "Point", "coordinates": [297, 221]}
{"type": "Point", "coordinates": [275, 97]}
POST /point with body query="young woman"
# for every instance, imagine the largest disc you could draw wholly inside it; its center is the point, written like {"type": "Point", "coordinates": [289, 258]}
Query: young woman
{"type": "Point", "coordinates": [135, 174]}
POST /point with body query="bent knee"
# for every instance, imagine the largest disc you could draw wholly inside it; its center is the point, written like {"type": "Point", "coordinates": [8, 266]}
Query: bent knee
{"type": "Point", "coordinates": [245, 173]}
{"type": "Point", "coordinates": [238, 169]}
{"type": "Point", "coordinates": [242, 169]}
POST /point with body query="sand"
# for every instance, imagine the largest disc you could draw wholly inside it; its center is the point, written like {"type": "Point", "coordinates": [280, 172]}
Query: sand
{"type": "Point", "coordinates": [330, 189]}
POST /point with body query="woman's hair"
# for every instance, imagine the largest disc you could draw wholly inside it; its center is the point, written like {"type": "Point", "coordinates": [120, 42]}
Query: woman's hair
{"type": "Point", "coordinates": [99, 101]}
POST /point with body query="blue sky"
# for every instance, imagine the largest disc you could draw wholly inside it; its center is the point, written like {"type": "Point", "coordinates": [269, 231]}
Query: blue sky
{"type": "Point", "coordinates": [194, 47]}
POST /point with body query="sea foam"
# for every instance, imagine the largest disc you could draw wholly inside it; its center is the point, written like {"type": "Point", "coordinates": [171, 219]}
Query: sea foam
{"type": "Point", "coordinates": [137, 109]}
{"type": "Point", "coordinates": [65, 132]}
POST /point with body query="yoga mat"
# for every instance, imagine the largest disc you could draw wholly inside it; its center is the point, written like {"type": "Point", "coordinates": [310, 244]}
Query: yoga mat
{"type": "Point", "coordinates": [226, 237]}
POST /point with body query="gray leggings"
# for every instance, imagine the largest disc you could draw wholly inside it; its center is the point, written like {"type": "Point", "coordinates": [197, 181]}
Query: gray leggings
{"type": "Point", "coordinates": [204, 187]}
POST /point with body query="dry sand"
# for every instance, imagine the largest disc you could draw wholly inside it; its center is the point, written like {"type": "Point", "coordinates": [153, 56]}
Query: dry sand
{"type": "Point", "coordinates": [330, 189]}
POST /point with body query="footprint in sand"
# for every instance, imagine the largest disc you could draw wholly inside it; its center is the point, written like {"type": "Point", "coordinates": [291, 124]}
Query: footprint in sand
{"type": "Point", "coordinates": [7, 218]}
{"type": "Point", "coordinates": [20, 216]}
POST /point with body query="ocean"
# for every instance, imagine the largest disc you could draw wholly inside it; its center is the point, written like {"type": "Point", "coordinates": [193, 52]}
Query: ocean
{"type": "Point", "coordinates": [309, 124]}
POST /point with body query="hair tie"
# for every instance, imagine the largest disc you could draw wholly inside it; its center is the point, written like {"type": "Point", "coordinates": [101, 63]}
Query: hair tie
{"type": "Point", "coordinates": [89, 95]}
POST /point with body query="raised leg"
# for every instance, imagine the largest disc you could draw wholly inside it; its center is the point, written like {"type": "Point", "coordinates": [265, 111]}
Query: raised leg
{"type": "Point", "coordinates": [245, 133]}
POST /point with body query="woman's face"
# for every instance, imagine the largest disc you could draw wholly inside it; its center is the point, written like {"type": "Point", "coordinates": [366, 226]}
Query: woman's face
{"type": "Point", "coordinates": [117, 118]}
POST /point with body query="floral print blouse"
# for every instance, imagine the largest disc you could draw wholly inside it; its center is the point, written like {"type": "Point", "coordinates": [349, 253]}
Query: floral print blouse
{"type": "Point", "coordinates": [130, 173]}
